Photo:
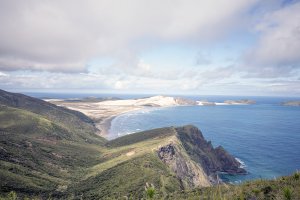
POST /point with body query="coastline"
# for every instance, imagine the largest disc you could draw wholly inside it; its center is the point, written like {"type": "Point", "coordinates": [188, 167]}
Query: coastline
{"type": "Point", "coordinates": [101, 113]}
{"type": "Point", "coordinates": [104, 126]}
{"type": "Point", "coordinates": [105, 122]}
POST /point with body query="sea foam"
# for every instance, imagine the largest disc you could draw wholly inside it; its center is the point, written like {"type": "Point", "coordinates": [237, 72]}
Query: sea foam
{"type": "Point", "coordinates": [243, 165]}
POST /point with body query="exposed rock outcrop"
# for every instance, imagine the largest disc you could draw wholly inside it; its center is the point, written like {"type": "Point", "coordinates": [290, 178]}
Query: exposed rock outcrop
{"type": "Point", "coordinates": [195, 161]}
{"type": "Point", "coordinates": [188, 172]}
{"type": "Point", "coordinates": [212, 159]}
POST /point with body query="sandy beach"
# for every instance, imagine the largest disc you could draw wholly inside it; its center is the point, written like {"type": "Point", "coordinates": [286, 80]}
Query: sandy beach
{"type": "Point", "coordinates": [101, 114]}
{"type": "Point", "coordinates": [104, 112]}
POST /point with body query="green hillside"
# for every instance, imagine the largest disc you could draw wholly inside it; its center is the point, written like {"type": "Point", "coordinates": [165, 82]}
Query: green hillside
{"type": "Point", "coordinates": [51, 152]}
{"type": "Point", "coordinates": [76, 122]}
{"type": "Point", "coordinates": [38, 155]}
{"type": "Point", "coordinates": [42, 157]}
{"type": "Point", "coordinates": [156, 156]}
{"type": "Point", "coordinates": [281, 188]}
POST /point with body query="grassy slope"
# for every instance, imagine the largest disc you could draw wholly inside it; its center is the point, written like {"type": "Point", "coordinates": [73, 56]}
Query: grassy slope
{"type": "Point", "coordinates": [286, 187]}
{"type": "Point", "coordinates": [128, 179]}
{"type": "Point", "coordinates": [110, 172]}
{"type": "Point", "coordinates": [128, 163]}
{"type": "Point", "coordinates": [131, 161]}
{"type": "Point", "coordinates": [46, 150]}
{"type": "Point", "coordinates": [73, 121]}
{"type": "Point", "coordinates": [40, 156]}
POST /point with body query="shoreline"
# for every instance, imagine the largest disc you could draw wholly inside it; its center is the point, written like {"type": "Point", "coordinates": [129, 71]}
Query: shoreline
{"type": "Point", "coordinates": [101, 114]}
{"type": "Point", "coordinates": [105, 124]}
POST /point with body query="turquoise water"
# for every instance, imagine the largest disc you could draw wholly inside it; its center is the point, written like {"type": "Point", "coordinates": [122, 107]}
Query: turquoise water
{"type": "Point", "coordinates": [265, 136]}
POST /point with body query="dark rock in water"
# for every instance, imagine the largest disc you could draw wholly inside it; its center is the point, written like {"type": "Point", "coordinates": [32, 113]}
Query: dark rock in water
{"type": "Point", "coordinates": [188, 172]}
{"type": "Point", "coordinates": [195, 161]}
{"type": "Point", "coordinates": [211, 159]}
{"type": "Point", "coordinates": [227, 162]}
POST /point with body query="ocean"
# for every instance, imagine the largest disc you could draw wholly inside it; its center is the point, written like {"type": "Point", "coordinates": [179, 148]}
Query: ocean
{"type": "Point", "coordinates": [265, 136]}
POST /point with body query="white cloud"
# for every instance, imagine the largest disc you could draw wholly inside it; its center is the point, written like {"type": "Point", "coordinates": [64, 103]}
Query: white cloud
{"type": "Point", "coordinates": [121, 85]}
{"type": "Point", "coordinates": [64, 35]}
{"type": "Point", "coordinates": [277, 52]}
{"type": "Point", "coordinates": [3, 74]}
{"type": "Point", "coordinates": [54, 42]}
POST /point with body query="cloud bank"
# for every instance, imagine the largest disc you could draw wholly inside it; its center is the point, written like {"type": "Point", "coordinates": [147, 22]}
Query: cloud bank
{"type": "Point", "coordinates": [64, 35]}
{"type": "Point", "coordinates": [226, 46]}
{"type": "Point", "coordinates": [277, 51]}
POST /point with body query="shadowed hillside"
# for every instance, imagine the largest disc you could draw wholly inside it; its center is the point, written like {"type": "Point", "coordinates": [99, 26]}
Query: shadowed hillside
{"type": "Point", "coordinates": [73, 120]}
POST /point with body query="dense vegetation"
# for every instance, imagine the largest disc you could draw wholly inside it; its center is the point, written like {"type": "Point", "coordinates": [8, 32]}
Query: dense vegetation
{"type": "Point", "coordinates": [39, 156]}
{"type": "Point", "coordinates": [43, 147]}
{"type": "Point", "coordinates": [282, 188]}
{"type": "Point", "coordinates": [51, 152]}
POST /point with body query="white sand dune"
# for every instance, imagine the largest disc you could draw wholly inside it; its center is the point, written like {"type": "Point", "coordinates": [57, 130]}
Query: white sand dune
{"type": "Point", "coordinates": [162, 101]}
{"type": "Point", "coordinates": [103, 112]}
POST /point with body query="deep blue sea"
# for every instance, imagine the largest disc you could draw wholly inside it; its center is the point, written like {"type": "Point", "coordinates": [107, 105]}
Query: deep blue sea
{"type": "Point", "coordinates": [265, 136]}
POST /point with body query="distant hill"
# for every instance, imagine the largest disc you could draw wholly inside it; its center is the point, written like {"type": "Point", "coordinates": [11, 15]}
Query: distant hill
{"type": "Point", "coordinates": [291, 103]}
{"type": "Point", "coordinates": [50, 151]}
{"type": "Point", "coordinates": [153, 101]}
{"type": "Point", "coordinates": [76, 122]}
{"type": "Point", "coordinates": [92, 99]}
{"type": "Point", "coordinates": [39, 106]}
{"type": "Point", "coordinates": [240, 102]}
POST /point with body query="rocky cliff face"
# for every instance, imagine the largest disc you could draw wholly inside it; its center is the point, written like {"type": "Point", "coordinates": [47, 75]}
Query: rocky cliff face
{"type": "Point", "coordinates": [195, 161]}
{"type": "Point", "coordinates": [201, 151]}
{"type": "Point", "coordinates": [188, 172]}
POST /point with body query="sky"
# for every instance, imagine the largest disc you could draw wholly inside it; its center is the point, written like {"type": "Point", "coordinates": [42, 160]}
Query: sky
{"type": "Point", "coordinates": [216, 47]}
